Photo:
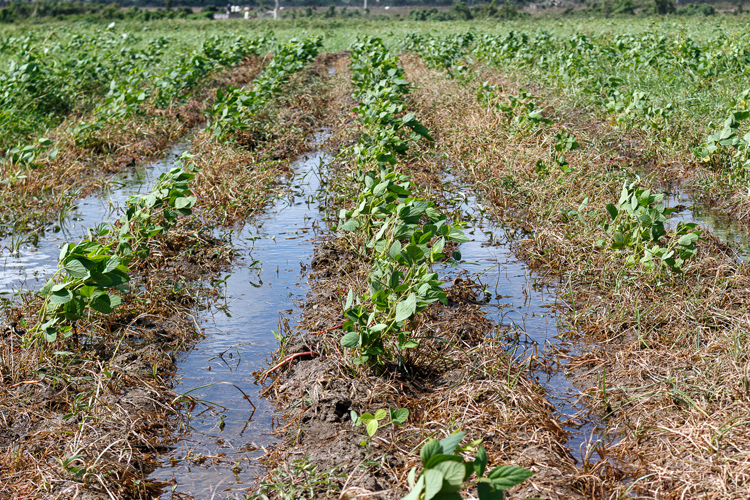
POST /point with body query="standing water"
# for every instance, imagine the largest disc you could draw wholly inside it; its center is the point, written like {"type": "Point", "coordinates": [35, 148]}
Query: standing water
{"type": "Point", "coordinates": [26, 262]}
{"type": "Point", "coordinates": [213, 458]}
{"type": "Point", "coordinates": [523, 306]}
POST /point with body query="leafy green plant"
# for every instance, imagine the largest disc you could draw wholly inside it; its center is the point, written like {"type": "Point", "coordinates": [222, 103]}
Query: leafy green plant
{"type": "Point", "coordinates": [520, 109]}
{"type": "Point", "coordinates": [372, 422]}
{"type": "Point", "coordinates": [404, 235]}
{"type": "Point", "coordinates": [564, 142]}
{"type": "Point", "coordinates": [637, 224]}
{"type": "Point", "coordinates": [234, 108]}
{"type": "Point", "coordinates": [730, 137]}
{"type": "Point", "coordinates": [445, 472]}
{"type": "Point", "coordinates": [91, 271]}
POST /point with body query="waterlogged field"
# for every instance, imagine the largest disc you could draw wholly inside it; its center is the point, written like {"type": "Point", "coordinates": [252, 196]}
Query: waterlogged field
{"type": "Point", "coordinates": [391, 259]}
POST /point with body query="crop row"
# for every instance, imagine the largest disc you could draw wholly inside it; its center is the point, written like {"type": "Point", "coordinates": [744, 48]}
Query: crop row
{"type": "Point", "coordinates": [609, 71]}
{"type": "Point", "coordinates": [401, 236]}
{"type": "Point", "coordinates": [109, 75]}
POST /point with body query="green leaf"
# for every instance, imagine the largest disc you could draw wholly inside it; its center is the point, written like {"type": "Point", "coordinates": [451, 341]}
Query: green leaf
{"type": "Point", "coordinates": [112, 264]}
{"type": "Point", "coordinates": [76, 269]}
{"type": "Point", "coordinates": [612, 211]}
{"type": "Point", "coordinates": [105, 303]}
{"type": "Point", "coordinates": [451, 495]}
{"type": "Point", "coordinates": [453, 475]}
{"type": "Point", "coordinates": [350, 225]}
{"type": "Point", "coordinates": [433, 483]}
{"type": "Point", "coordinates": [380, 414]}
{"type": "Point", "coordinates": [350, 340]}
{"type": "Point", "coordinates": [507, 476]}
{"type": "Point", "coordinates": [61, 296]}
{"type": "Point", "coordinates": [395, 250]}
{"type": "Point", "coordinates": [429, 450]}
{"type": "Point", "coordinates": [416, 490]}
{"type": "Point", "coordinates": [372, 427]}
{"type": "Point", "coordinates": [47, 288]}
{"type": "Point", "coordinates": [406, 308]}
{"type": "Point", "coordinates": [688, 239]}
{"type": "Point", "coordinates": [440, 458]}
{"type": "Point", "coordinates": [487, 492]}
{"type": "Point", "coordinates": [399, 416]}
{"type": "Point", "coordinates": [448, 445]}
{"type": "Point", "coordinates": [356, 421]}
{"type": "Point", "coordinates": [480, 462]}
{"type": "Point", "coordinates": [185, 202]}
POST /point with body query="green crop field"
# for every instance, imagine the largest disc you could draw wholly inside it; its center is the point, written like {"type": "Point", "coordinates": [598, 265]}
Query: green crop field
{"type": "Point", "coordinates": [517, 243]}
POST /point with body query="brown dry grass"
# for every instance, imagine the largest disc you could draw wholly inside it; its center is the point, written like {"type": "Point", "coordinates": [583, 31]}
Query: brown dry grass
{"type": "Point", "coordinates": [670, 365]}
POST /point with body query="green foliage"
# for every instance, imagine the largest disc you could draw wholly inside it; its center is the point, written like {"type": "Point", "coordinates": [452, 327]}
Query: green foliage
{"type": "Point", "coordinates": [519, 109]}
{"type": "Point", "coordinates": [696, 9]}
{"type": "Point", "coordinates": [105, 74]}
{"type": "Point", "coordinates": [445, 472]}
{"type": "Point", "coordinates": [637, 225]}
{"type": "Point", "coordinates": [730, 139]}
{"type": "Point", "coordinates": [235, 108]}
{"type": "Point", "coordinates": [446, 54]}
{"type": "Point", "coordinates": [91, 271]}
{"type": "Point", "coordinates": [372, 422]}
{"type": "Point", "coordinates": [404, 235]}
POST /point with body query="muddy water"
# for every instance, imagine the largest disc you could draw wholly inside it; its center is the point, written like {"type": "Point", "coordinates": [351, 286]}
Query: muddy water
{"type": "Point", "coordinates": [27, 264]}
{"type": "Point", "coordinates": [213, 458]}
{"type": "Point", "coordinates": [523, 306]}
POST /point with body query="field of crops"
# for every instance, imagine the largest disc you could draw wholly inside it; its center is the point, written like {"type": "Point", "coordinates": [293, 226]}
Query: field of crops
{"type": "Point", "coordinates": [338, 259]}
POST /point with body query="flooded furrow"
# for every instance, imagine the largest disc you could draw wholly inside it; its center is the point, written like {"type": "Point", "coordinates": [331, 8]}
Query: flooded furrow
{"type": "Point", "coordinates": [719, 223]}
{"type": "Point", "coordinates": [523, 306]}
{"type": "Point", "coordinates": [28, 260]}
{"type": "Point", "coordinates": [229, 426]}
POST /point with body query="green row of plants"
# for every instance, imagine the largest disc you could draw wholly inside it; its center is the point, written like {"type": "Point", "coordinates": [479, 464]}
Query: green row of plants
{"type": "Point", "coordinates": [131, 95]}
{"type": "Point", "coordinates": [403, 235]}
{"type": "Point", "coordinates": [92, 271]}
{"type": "Point", "coordinates": [729, 145]}
{"type": "Point", "coordinates": [45, 77]}
{"type": "Point", "coordinates": [235, 108]}
{"type": "Point", "coordinates": [610, 71]}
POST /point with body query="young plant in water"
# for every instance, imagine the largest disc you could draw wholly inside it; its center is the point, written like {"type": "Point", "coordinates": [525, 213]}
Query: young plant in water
{"type": "Point", "coordinates": [637, 224]}
{"type": "Point", "coordinates": [89, 272]}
